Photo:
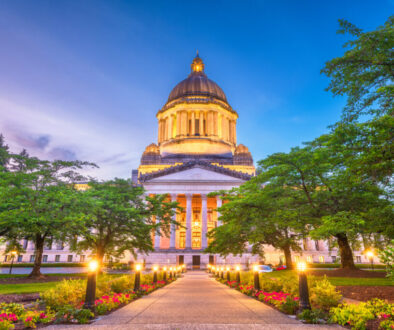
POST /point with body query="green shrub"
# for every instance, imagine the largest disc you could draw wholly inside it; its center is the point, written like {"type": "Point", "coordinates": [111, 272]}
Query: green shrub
{"type": "Point", "coordinates": [271, 284]}
{"type": "Point", "coordinates": [314, 316]}
{"type": "Point", "coordinates": [290, 284]}
{"type": "Point", "coordinates": [323, 295]}
{"type": "Point", "coordinates": [6, 325]}
{"type": "Point", "coordinates": [12, 308]}
{"type": "Point", "coordinates": [71, 314]}
{"type": "Point", "coordinates": [355, 316]}
{"type": "Point", "coordinates": [66, 293]}
{"type": "Point", "coordinates": [122, 284]}
{"type": "Point", "coordinates": [290, 306]}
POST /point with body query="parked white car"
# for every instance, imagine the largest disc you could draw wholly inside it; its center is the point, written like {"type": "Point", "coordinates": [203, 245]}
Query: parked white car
{"type": "Point", "coordinates": [263, 268]}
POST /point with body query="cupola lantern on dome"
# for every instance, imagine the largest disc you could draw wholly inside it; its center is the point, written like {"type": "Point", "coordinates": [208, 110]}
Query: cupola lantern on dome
{"type": "Point", "coordinates": [197, 64]}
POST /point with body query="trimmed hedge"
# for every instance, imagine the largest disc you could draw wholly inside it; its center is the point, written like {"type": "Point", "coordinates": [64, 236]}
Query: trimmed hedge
{"type": "Point", "coordinates": [368, 266]}
{"type": "Point", "coordinates": [47, 264]}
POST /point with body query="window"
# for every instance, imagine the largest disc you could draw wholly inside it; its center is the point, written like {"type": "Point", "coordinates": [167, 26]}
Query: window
{"type": "Point", "coordinates": [317, 245]}
{"type": "Point", "coordinates": [297, 258]}
{"type": "Point", "coordinates": [309, 259]}
{"type": "Point", "coordinates": [25, 242]}
{"type": "Point", "coordinates": [32, 258]}
{"type": "Point", "coordinates": [60, 246]}
{"type": "Point", "coordinates": [45, 258]}
{"type": "Point", "coordinates": [5, 258]}
{"type": "Point", "coordinates": [358, 259]}
{"type": "Point", "coordinates": [281, 260]}
{"type": "Point", "coordinates": [48, 246]}
{"type": "Point", "coordinates": [20, 258]}
{"type": "Point", "coordinates": [182, 239]}
{"type": "Point", "coordinates": [69, 258]}
{"type": "Point", "coordinates": [334, 258]}
{"type": "Point", "coordinates": [197, 127]}
{"type": "Point", "coordinates": [196, 240]}
{"type": "Point", "coordinates": [57, 258]}
{"type": "Point", "coordinates": [321, 259]}
{"type": "Point", "coordinates": [82, 258]}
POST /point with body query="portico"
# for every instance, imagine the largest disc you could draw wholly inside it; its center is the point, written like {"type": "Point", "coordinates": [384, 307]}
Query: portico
{"type": "Point", "coordinates": [196, 154]}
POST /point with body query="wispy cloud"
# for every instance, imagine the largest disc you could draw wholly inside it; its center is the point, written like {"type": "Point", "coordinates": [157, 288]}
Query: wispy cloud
{"type": "Point", "coordinates": [65, 137]}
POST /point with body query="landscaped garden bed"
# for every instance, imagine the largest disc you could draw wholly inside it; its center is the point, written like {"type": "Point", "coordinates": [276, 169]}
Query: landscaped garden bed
{"type": "Point", "coordinates": [64, 302]}
{"type": "Point", "coordinates": [281, 292]}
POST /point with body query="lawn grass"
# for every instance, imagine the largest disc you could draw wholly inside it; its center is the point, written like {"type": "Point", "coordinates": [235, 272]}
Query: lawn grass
{"type": "Point", "coordinates": [360, 281]}
{"type": "Point", "coordinates": [26, 287]}
{"type": "Point", "coordinates": [55, 274]}
{"type": "Point", "coordinates": [337, 280]}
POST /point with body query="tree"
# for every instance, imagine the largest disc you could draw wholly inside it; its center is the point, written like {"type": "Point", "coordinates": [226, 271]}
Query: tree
{"type": "Point", "coordinates": [38, 201]}
{"type": "Point", "coordinates": [341, 204]}
{"type": "Point", "coordinates": [365, 73]}
{"type": "Point", "coordinates": [259, 214]}
{"type": "Point", "coordinates": [119, 218]}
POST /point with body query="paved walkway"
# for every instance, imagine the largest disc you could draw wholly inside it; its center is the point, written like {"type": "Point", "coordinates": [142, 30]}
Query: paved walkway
{"type": "Point", "coordinates": [196, 302]}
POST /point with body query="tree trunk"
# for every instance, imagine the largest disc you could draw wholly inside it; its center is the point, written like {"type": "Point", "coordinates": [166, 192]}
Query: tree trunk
{"type": "Point", "coordinates": [345, 251]}
{"type": "Point", "coordinates": [287, 252]}
{"type": "Point", "coordinates": [39, 250]}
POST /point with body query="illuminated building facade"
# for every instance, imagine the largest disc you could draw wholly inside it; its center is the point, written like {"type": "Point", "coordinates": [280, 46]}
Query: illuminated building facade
{"type": "Point", "coordinates": [196, 153]}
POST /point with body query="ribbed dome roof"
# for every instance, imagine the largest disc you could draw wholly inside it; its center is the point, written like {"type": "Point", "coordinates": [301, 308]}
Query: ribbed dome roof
{"type": "Point", "coordinates": [197, 84]}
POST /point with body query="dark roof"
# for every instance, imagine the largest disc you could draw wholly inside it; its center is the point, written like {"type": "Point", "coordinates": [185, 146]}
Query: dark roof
{"type": "Point", "coordinates": [191, 164]}
{"type": "Point", "coordinates": [197, 84]}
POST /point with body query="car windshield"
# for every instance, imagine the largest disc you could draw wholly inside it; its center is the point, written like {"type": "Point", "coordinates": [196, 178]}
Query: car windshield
{"type": "Point", "coordinates": [265, 267]}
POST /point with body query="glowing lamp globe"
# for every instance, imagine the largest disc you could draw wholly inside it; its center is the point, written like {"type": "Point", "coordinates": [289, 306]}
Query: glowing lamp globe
{"type": "Point", "coordinates": [155, 268]}
{"type": "Point", "coordinates": [255, 268]}
{"type": "Point", "coordinates": [138, 267]}
{"type": "Point", "coordinates": [301, 266]}
{"type": "Point", "coordinates": [93, 265]}
{"type": "Point", "coordinates": [228, 268]}
{"type": "Point", "coordinates": [237, 268]}
{"type": "Point", "coordinates": [165, 268]}
{"type": "Point", "coordinates": [370, 254]}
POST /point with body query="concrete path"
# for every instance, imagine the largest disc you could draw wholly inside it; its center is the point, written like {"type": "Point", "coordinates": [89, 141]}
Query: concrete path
{"type": "Point", "coordinates": [196, 302]}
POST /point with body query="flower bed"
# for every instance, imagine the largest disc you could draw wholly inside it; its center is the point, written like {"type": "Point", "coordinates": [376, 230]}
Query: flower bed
{"type": "Point", "coordinates": [64, 303]}
{"type": "Point", "coordinates": [325, 300]}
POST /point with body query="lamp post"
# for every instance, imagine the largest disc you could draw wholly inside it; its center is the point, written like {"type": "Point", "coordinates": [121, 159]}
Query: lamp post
{"type": "Point", "coordinates": [238, 273]}
{"type": "Point", "coordinates": [165, 274]}
{"type": "Point", "coordinates": [170, 272]}
{"type": "Point", "coordinates": [137, 278]}
{"type": "Point", "coordinates": [209, 268]}
{"type": "Point", "coordinates": [228, 273]}
{"type": "Point", "coordinates": [303, 287]}
{"type": "Point", "coordinates": [13, 254]}
{"type": "Point", "coordinates": [370, 256]}
{"type": "Point", "coordinates": [183, 268]}
{"type": "Point", "coordinates": [222, 273]}
{"type": "Point", "coordinates": [256, 278]}
{"type": "Point", "coordinates": [155, 268]}
{"type": "Point", "coordinates": [90, 296]}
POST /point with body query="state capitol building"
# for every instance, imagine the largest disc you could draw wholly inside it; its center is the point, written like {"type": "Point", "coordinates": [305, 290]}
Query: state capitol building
{"type": "Point", "coordinates": [196, 154]}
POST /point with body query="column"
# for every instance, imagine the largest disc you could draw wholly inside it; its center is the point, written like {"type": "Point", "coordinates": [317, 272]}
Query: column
{"type": "Point", "coordinates": [202, 133]}
{"type": "Point", "coordinates": [178, 123]}
{"type": "Point", "coordinates": [157, 237]}
{"type": "Point", "coordinates": [189, 221]}
{"type": "Point", "coordinates": [170, 125]}
{"type": "Point", "coordinates": [204, 215]}
{"type": "Point", "coordinates": [193, 116]}
{"type": "Point", "coordinates": [173, 228]}
{"type": "Point", "coordinates": [218, 204]}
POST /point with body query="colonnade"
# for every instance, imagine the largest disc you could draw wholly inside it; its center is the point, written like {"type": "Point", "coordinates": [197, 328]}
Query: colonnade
{"type": "Point", "coordinates": [197, 225]}
{"type": "Point", "coordinates": [201, 123]}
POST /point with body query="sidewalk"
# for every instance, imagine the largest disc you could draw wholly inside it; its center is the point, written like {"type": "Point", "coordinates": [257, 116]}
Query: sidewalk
{"type": "Point", "coordinates": [196, 302]}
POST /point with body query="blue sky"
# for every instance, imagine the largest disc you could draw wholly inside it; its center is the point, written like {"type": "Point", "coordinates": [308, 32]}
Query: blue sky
{"type": "Point", "coordinates": [84, 79]}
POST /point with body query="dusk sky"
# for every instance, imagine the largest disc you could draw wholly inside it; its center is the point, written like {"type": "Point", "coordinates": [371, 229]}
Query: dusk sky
{"type": "Point", "coordinates": [85, 79]}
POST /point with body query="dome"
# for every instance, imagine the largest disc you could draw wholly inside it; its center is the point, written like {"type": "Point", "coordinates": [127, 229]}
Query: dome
{"type": "Point", "coordinates": [197, 84]}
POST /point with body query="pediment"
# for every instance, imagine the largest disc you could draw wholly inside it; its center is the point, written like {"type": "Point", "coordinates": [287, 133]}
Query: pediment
{"type": "Point", "coordinates": [195, 174]}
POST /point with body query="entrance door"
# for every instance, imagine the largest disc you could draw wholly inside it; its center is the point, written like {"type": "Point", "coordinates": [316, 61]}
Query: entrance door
{"type": "Point", "coordinates": [211, 260]}
{"type": "Point", "coordinates": [196, 262]}
{"type": "Point", "coordinates": [181, 260]}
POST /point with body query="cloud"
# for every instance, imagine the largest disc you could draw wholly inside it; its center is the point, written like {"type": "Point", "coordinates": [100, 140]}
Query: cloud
{"type": "Point", "coordinates": [66, 136]}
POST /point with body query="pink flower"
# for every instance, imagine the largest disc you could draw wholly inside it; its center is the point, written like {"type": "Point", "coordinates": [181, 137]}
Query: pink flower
{"type": "Point", "coordinates": [385, 316]}
{"type": "Point", "coordinates": [28, 319]}
{"type": "Point", "coordinates": [43, 316]}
